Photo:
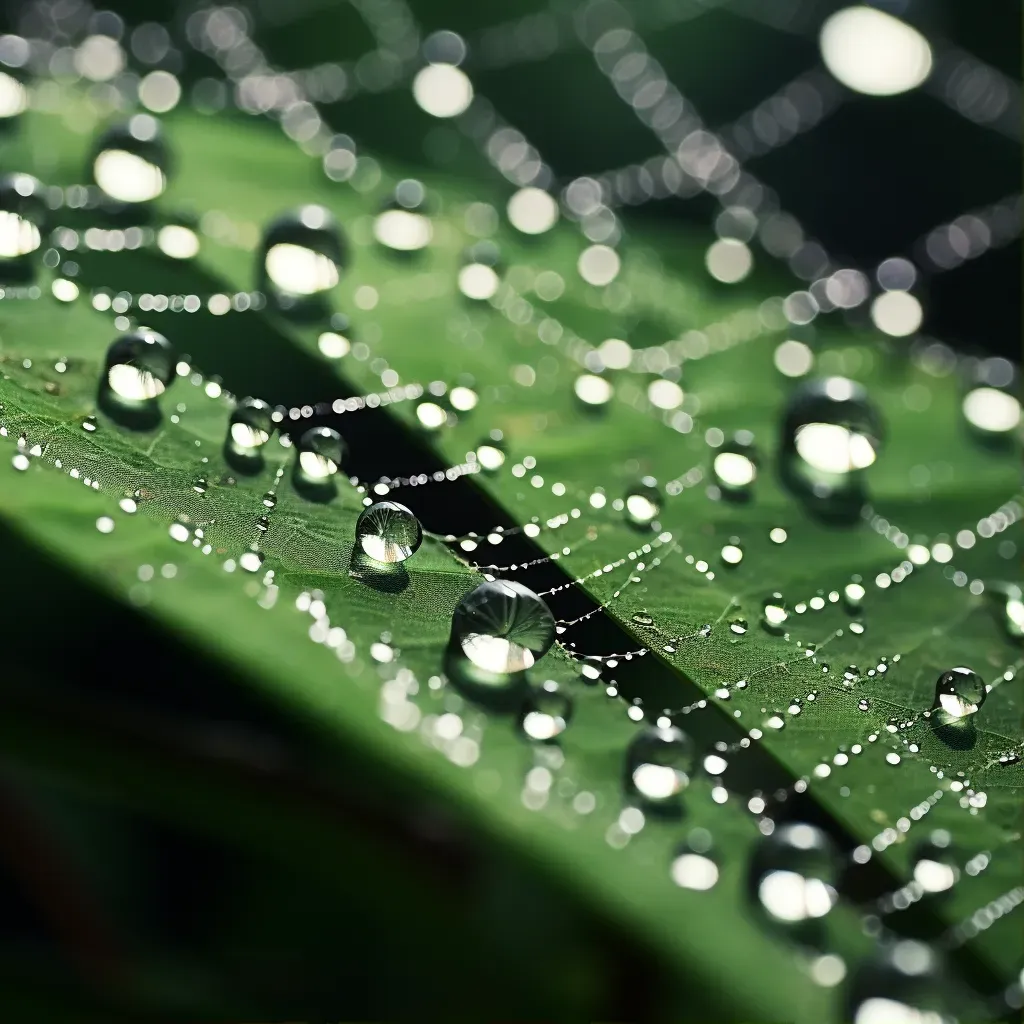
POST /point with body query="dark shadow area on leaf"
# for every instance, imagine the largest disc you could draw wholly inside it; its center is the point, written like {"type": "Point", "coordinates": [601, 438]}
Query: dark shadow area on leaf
{"type": "Point", "coordinates": [388, 579]}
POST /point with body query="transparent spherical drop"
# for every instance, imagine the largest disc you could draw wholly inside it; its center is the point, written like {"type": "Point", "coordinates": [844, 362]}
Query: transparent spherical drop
{"type": "Point", "coordinates": [832, 427]}
{"type": "Point", "coordinates": [131, 161]}
{"type": "Point", "coordinates": [140, 366]}
{"type": "Point", "coordinates": [793, 874]}
{"type": "Point", "coordinates": [734, 466]}
{"type": "Point", "coordinates": [480, 274]}
{"type": "Point", "coordinates": [643, 503]}
{"type": "Point", "coordinates": [659, 764]}
{"type": "Point", "coordinates": [959, 692]}
{"type": "Point", "coordinates": [490, 454]}
{"type": "Point", "coordinates": [23, 215]}
{"type": "Point", "coordinates": [320, 452]}
{"type": "Point", "coordinates": [546, 712]}
{"type": "Point", "coordinates": [774, 613]}
{"type": "Point", "coordinates": [696, 862]}
{"type": "Point", "coordinates": [991, 402]}
{"type": "Point", "coordinates": [388, 532]}
{"type": "Point", "coordinates": [902, 983]}
{"type": "Point", "coordinates": [302, 255]}
{"type": "Point", "coordinates": [935, 863]}
{"type": "Point", "coordinates": [503, 627]}
{"type": "Point", "coordinates": [252, 424]}
{"type": "Point", "coordinates": [404, 225]}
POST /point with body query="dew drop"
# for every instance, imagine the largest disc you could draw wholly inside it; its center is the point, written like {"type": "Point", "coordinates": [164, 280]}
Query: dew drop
{"type": "Point", "coordinates": [503, 627]}
{"type": "Point", "coordinates": [301, 258]}
{"type": "Point", "coordinates": [131, 160]}
{"type": "Point", "coordinates": [388, 532]}
{"type": "Point", "coordinates": [774, 613]}
{"type": "Point", "coordinates": [490, 453]}
{"type": "Point", "coordinates": [90, 424]}
{"type": "Point", "coordinates": [643, 503]}
{"type": "Point", "coordinates": [901, 982]}
{"type": "Point", "coordinates": [695, 865]}
{"type": "Point", "coordinates": [252, 423]}
{"type": "Point", "coordinates": [479, 275]}
{"type": "Point", "coordinates": [270, 499]}
{"type": "Point", "coordinates": [959, 692]}
{"type": "Point", "coordinates": [659, 764]}
{"type": "Point", "coordinates": [793, 876]}
{"type": "Point", "coordinates": [403, 225]}
{"type": "Point", "coordinates": [139, 367]}
{"type": "Point", "coordinates": [853, 596]}
{"type": "Point", "coordinates": [200, 485]}
{"type": "Point", "coordinates": [546, 712]}
{"type": "Point", "coordinates": [23, 215]}
{"type": "Point", "coordinates": [738, 626]}
{"type": "Point", "coordinates": [936, 868]}
{"type": "Point", "coordinates": [643, 619]}
{"type": "Point", "coordinates": [732, 553]}
{"type": "Point", "coordinates": [734, 466]}
{"type": "Point", "coordinates": [262, 524]}
{"type": "Point", "coordinates": [320, 452]}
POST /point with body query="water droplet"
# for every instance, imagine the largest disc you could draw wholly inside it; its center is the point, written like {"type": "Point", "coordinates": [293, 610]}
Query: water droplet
{"type": "Point", "coordinates": [991, 405]}
{"type": "Point", "coordinates": [959, 692]}
{"type": "Point", "coordinates": [734, 466]}
{"type": "Point", "coordinates": [863, 704]}
{"type": "Point", "coordinates": [491, 454]}
{"type": "Point", "coordinates": [503, 627]}
{"type": "Point", "coordinates": [23, 215]}
{"type": "Point", "coordinates": [404, 225]}
{"type": "Point", "coordinates": [546, 712]}
{"type": "Point", "coordinates": [388, 532]}
{"type": "Point", "coordinates": [251, 560]}
{"type": "Point", "coordinates": [902, 982]}
{"type": "Point", "coordinates": [262, 524]}
{"type": "Point", "coordinates": [793, 876]}
{"type": "Point", "coordinates": [738, 626]}
{"type": "Point", "coordinates": [320, 452]}
{"type": "Point", "coordinates": [774, 613]}
{"type": "Point", "coordinates": [131, 160]}
{"type": "Point", "coordinates": [592, 391]}
{"type": "Point", "coordinates": [659, 764]}
{"type": "Point", "coordinates": [199, 485]}
{"type": "Point", "coordinates": [252, 423]}
{"type": "Point", "coordinates": [1009, 600]}
{"type": "Point", "coordinates": [643, 619]}
{"type": "Point", "coordinates": [935, 863]}
{"type": "Point", "coordinates": [139, 368]}
{"type": "Point", "coordinates": [831, 432]}
{"type": "Point", "coordinates": [90, 425]}
{"type": "Point", "coordinates": [853, 596]}
{"type": "Point", "coordinates": [479, 277]}
{"type": "Point", "coordinates": [301, 258]}
{"type": "Point", "coordinates": [643, 503]}
{"type": "Point", "coordinates": [732, 553]}
{"type": "Point", "coordinates": [695, 865]}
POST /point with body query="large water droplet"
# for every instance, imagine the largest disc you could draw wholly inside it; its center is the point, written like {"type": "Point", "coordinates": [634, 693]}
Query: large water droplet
{"type": "Point", "coordinates": [546, 712]}
{"type": "Point", "coordinates": [503, 627]}
{"type": "Point", "coordinates": [659, 764]}
{"type": "Point", "coordinates": [301, 259]}
{"type": "Point", "coordinates": [734, 466]}
{"type": "Point", "coordinates": [793, 875]}
{"type": "Point", "coordinates": [319, 456]}
{"type": "Point", "coordinates": [388, 532]}
{"type": "Point", "coordinates": [774, 613]}
{"type": "Point", "coordinates": [403, 225]}
{"type": "Point", "coordinates": [139, 368]}
{"type": "Point", "coordinates": [831, 432]}
{"type": "Point", "coordinates": [131, 160]}
{"type": "Point", "coordinates": [935, 863]}
{"type": "Point", "coordinates": [643, 503]}
{"type": "Point", "coordinates": [480, 274]}
{"type": "Point", "coordinates": [23, 213]}
{"type": "Point", "coordinates": [252, 423]}
{"type": "Point", "coordinates": [959, 692]}
{"type": "Point", "coordinates": [901, 984]}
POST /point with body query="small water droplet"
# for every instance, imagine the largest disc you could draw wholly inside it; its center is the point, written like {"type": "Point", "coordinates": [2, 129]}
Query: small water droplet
{"type": "Point", "coordinates": [404, 225]}
{"type": "Point", "coordinates": [643, 503]}
{"type": "Point", "coordinates": [490, 453]}
{"type": "Point", "coordinates": [659, 764]}
{"type": "Point", "coordinates": [793, 877]}
{"type": "Point", "coordinates": [320, 453]}
{"type": "Point", "coordinates": [131, 160]}
{"type": "Point", "coordinates": [252, 423]}
{"type": "Point", "coordinates": [300, 261]}
{"type": "Point", "coordinates": [388, 532]}
{"type": "Point", "coordinates": [24, 211]}
{"type": "Point", "coordinates": [89, 424]}
{"type": "Point", "coordinates": [738, 626]}
{"type": "Point", "coordinates": [139, 367]}
{"type": "Point", "coordinates": [503, 627]}
{"type": "Point", "coordinates": [732, 553]}
{"type": "Point", "coordinates": [262, 524]}
{"type": "Point", "coordinates": [936, 867]}
{"type": "Point", "coordinates": [251, 561]}
{"type": "Point", "coordinates": [546, 712]}
{"type": "Point", "coordinates": [902, 981]}
{"type": "Point", "coordinates": [643, 619]}
{"type": "Point", "coordinates": [479, 276]}
{"type": "Point", "coordinates": [959, 692]}
{"type": "Point", "coordinates": [734, 466]}
{"type": "Point", "coordinates": [853, 596]}
{"type": "Point", "coordinates": [270, 499]}
{"type": "Point", "coordinates": [774, 613]}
